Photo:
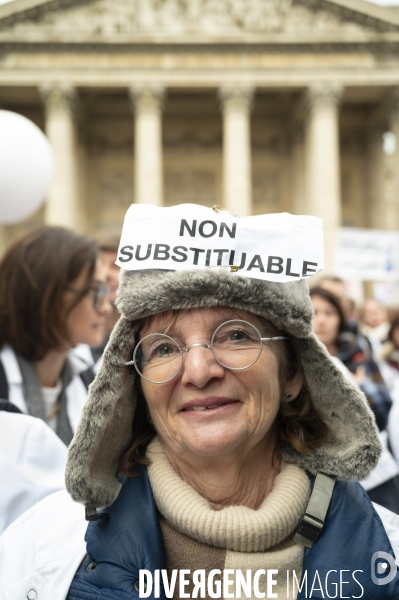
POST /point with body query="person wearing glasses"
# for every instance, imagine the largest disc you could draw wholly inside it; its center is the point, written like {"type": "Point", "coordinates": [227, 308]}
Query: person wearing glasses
{"type": "Point", "coordinates": [52, 297]}
{"type": "Point", "coordinates": [216, 450]}
{"type": "Point", "coordinates": [107, 242]}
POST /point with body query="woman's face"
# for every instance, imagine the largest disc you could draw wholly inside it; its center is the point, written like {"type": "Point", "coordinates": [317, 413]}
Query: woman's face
{"type": "Point", "coordinates": [86, 323]}
{"type": "Point", "coordinates": [208, 410]}
{"type": "Point", "coordinates": [373, 313]}
{"type": "Point", "coordinates": [325, 320]}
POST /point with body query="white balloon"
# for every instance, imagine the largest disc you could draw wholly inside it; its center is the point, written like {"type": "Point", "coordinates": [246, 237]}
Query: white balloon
{"type": "Point", "coordinates": [26, 167]}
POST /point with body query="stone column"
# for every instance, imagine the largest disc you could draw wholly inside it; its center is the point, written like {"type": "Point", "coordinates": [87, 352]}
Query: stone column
{"type": "Point", "coordinates": [148, 164]}
{"type": "Point", "coordinates": [391, 170]}
{"type": "Point", "coordinates": [62, 205]}
{"type": "Point", "coordinates": [374, 176]}
{"type": "Point", "coordinates": [237, 172]}
{"type": "Point", "coordinates": [323, 194]}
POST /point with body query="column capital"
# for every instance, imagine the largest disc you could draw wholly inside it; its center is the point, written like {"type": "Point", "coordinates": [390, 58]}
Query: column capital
{"type": "Point", "coordinates": [59, 96]}
{"type": "Point", "coordinates": [321, 95]}
{"type": "Point", "coordinates": [146, 97]}
{"type": "Point", "coordinates": [238, 97]}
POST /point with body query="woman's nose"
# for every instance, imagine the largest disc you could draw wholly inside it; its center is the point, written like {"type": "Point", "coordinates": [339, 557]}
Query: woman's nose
{"type": "Point", "coordinates": [200, 367]}
{"type": "Point", "coordinates": [105, 307]}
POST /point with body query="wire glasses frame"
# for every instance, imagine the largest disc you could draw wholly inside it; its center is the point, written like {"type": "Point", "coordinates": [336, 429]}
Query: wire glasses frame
{"type": "Point", "coordinates": [99, 290]}
{"type": "Point", "coordinates": [236, 345]}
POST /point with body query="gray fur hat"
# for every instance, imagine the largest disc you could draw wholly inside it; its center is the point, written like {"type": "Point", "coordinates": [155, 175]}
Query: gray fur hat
{"type": "Point", "coordinates": [105, 430]}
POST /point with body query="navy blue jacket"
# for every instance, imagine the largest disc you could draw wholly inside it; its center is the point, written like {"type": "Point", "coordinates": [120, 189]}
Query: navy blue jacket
{"type": "Point", "coordinates": [130, 539]}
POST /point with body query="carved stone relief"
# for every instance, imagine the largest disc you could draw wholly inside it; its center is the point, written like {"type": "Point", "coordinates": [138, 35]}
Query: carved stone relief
{"type": "Point", "coordinates": [59, 97]}
{"type": "Point", "coordinates": [324, 95]}
{"type": "Point", "coordinates": [113, 17]}
{"type": "Point", "coordinates": [195, 188]}
{"type": "Point", "coordinates": [236, 98]}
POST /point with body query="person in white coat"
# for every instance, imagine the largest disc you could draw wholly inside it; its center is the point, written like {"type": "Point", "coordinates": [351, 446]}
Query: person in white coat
{"type": "Point", "coordinates": [28, 474]}
{"type": "Point", "coordinates": [53, 296]}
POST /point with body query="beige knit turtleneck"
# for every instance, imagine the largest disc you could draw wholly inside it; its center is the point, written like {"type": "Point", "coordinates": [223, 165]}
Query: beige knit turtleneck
{"type": "Point", "coordinates": [236, 537]}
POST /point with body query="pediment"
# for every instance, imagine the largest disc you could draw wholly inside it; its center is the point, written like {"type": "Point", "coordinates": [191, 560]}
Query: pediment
{"type": "Point", "coordinates": [214, 20]}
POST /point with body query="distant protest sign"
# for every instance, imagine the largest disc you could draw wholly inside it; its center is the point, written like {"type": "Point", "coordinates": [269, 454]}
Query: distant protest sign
{"type": "Point", "coordinates": [367, 254]}
{"type": "Point", "coordinates": [274, 247]}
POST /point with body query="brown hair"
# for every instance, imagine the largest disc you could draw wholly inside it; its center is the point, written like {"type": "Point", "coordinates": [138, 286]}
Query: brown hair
{"type": "Point", "coordinates": [298, 423]}
{"type": "Point", "coordinates": [35, 271]}
{"type": "Point", "coordinates": [335, 302]}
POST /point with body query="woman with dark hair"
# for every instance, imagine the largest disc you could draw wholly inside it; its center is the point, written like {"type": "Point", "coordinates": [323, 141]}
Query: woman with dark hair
{"type": "Point", "coordinates": [354, 351]}
{"type": "Point", "coordinates": [52, 297]}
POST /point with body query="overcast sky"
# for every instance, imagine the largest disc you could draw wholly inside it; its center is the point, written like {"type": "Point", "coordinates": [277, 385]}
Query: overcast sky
{"type": "Point", "coordinates": [382, 2]}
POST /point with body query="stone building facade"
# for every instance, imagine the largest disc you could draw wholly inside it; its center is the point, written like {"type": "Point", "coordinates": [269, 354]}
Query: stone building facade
{"type": "Point", "coordinates": [255, 105]}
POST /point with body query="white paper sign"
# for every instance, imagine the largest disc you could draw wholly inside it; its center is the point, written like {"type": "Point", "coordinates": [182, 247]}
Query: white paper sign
{"type": "Point", "coordinates": [367, 254]}
{"type": "Point", "coordinates": [276, 247]}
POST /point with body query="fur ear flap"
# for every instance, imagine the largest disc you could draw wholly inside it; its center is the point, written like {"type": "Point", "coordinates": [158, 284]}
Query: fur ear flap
{"type": "Point", "coordinates": [105, 428]}
{"type": "Point", "coordinates": [354, 448]}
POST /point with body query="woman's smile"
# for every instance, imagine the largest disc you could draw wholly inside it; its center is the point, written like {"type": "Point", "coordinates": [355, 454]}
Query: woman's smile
{"type": "Point", "coordinates": [208, 404]}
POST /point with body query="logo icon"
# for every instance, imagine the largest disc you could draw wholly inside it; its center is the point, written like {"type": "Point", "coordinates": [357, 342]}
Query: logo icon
{"type": "Point", "coordinates": [385, 566]}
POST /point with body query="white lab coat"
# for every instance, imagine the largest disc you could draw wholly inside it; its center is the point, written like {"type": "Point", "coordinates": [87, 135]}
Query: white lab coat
{"type": "Point", "coordinates": [76, 391]}
{"type": "Point", "coordinates": [41, 551]}
{"type": "Point", "coordinates": [391, 378]}
{"type": "Point", "coordinates": [83, 351]}
{"type": "Point", "coordinates": [32, 457]}
{"type": "Point", "coordinates": [32, 464]}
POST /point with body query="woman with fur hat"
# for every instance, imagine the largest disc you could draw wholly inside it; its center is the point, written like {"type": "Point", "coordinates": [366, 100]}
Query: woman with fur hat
{"type": "Point", "coordinates": [215, 453]}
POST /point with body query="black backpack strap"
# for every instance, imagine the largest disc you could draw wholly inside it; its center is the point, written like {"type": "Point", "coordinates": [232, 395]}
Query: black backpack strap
{"type": "Point", "coordinates": [9, 407]}
{"type": "Point", "coordinates": [3, 383]}
{"type": "Point", "coordinates": [87, 377]}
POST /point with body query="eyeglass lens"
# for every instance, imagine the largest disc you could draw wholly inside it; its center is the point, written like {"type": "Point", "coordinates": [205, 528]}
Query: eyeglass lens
{"type": "Point", "coordinates": [235, 345]}
{"type": "Point", "coordinates": [100, 293]}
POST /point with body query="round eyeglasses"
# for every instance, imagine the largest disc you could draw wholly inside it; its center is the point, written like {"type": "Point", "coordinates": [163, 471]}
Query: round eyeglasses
{"type": "Point", "coordinates": [235, 345]}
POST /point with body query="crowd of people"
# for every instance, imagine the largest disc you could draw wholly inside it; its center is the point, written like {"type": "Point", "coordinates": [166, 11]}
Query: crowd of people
{"type": "Point", "coordinates": [301, 417]}
{"type": "Point", "coordinates": [361, 344]}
